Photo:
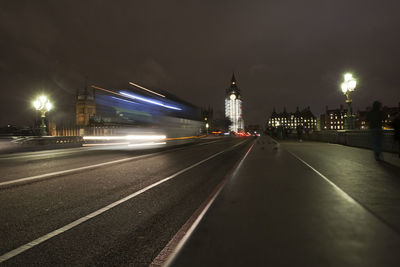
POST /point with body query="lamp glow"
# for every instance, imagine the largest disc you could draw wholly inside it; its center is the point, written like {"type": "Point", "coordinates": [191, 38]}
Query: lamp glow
{"type": "Point", "coordinates": [349, 84]}
{"type": "Point", "coordinates": [348, 76]}
{"type": "Point", "coordinates": [36, 104]}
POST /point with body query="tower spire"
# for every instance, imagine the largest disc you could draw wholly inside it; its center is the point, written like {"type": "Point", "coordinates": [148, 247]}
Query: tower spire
{"type": "Point", "coordinates": [86, 93]}
{"type": "Point", "coordinates": [233, 78]}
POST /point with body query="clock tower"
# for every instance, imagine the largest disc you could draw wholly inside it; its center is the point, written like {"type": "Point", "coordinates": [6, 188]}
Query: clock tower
{"type": "Point", "coordinates": [85, 107]}
{"type": "Point", "coordinates": [233, 106]}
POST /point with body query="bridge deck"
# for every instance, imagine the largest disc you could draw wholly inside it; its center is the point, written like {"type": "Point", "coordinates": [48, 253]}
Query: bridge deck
{"type": "Point", "coordinates": [302, 204]}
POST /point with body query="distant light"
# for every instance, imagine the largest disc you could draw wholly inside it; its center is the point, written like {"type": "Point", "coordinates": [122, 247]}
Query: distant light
{"type": "Point", "coordinates": [42, 98]}
{"type": "Point", "coordinates": [36, 104]}
{"type": "Point", "coordinates": [352, 84]}
{"type": "Point", "coordinates": [49, 106]}
{"type": "Point", "coordinates": [233, 96]}
{"type": "Point", "coordinates": [42, 103]}
{"type": "Point", "coordinates": [344, 87]}
{"type": "Point", "coordinates": [349, 83]}
{"type": "Point", "coordinates": [207, 125]}
{"type": "Point", "coordinates": [348, 77]}
{"type": "Point", "coordinates": [148, 90]}
{"type": "Point", "coordinates": [158, 103]}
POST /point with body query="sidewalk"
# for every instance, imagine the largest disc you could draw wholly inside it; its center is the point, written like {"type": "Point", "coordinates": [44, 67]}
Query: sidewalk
{"type": "Point", "coordinates": [276, 211]}
{"type": "Point", "coordinates": [391, 158]}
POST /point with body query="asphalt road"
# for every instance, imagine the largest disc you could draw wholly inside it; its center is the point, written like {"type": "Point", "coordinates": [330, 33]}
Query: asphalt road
{"type": "Point", "coordinates": [301, 204]}
{"type": "Point", "coordinates": [66, 219]}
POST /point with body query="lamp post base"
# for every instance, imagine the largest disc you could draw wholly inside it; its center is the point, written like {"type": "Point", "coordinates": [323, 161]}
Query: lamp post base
{"type": "Point", "coordinates": [349, 117]}
{"type": "Point", "coordinates": [43, 130]}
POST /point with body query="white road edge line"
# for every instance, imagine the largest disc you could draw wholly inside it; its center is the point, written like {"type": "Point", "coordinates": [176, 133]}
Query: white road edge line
{"type": "Point", "coordinates": [58, 173]}
{"type": "Point", "coordinates": [186, 236]}
{"type": "Point", "coordinates": [21, 155]}
{"type": "Point", "coordinates": [73, 224]}
{"type": "Point", "coordinates": [207, 143]}
{"type": "Point", "coordinates": [341, 192]}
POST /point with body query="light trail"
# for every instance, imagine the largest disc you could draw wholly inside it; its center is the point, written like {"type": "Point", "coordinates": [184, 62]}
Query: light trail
{"type": "Point", "coordinates": [154, 102]}
{"type": "Point", "coordinates": [126, 137]}
{"type": "Point", "coordinates": [147, 144]}
{"type": "Point", "coordinates": [148, 90]}
{"type": "Point", "coordinates": [105, 144]}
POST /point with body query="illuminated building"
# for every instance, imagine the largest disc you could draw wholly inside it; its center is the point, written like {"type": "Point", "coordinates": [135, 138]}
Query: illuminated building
{"type": "Point", "coordinates": [303, 118]}
{"type": "Point", "coordinates": [233, 106]}
{"type": "Point", "coordinates": [389, 113]}
{"type": "Point", "coordinates": [85, 107]}
{"type": "Point", "coordinates": [333, 119]}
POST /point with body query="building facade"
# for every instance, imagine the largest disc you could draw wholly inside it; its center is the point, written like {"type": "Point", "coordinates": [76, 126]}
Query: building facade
{"type": "Point", "coordinates": [304, 118]}
{"type": "Point", "coordinates": [85, 107]}
{"type": "Point", "coordinates": [389, 113]}
{"type": "Point", "coordinates": [333, 119]}
{"type": "Point", "coordinates": [233, 106]}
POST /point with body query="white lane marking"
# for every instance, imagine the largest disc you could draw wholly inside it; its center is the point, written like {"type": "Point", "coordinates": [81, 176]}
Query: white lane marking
{"type": "Point", "coordinates": [341, 192]}
{"type": "Point", "coordinates": [57, 152]}
{"type": "Point", "coordinates": [73, 224]}
{"type": "Point", "coordinates": [43, 153]}
{"type": "Point", "coordinates": [207, 143]}
{"type": "Point", "coordinates": [196, 222]}
{"type": "Point", "coordinates": [57, 173]}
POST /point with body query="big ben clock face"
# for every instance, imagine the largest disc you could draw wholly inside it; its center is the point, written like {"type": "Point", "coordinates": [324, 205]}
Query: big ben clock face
{"type": "Point", "coordinates": [233, 96]}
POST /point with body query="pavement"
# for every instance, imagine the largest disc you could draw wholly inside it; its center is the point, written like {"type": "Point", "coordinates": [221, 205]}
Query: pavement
{"type": "Point", "coordinates": [281, 204]}
{"type": "Point", "coordinates": [301, 204]}
{"type": "Point", "coordinates": [122, 212]}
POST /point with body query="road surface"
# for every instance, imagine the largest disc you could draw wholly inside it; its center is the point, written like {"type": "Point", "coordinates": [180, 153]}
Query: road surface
{"type": "Point", "coordinates": [86, 206]}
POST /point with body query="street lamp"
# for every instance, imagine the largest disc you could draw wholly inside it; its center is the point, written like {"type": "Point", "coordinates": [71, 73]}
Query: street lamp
{"type": "Point", "coordinates": [42, 104]}
{"type": "Point", "coordinates": [207, 125]}
{"type": "Point", "coordinates": [348, 86]}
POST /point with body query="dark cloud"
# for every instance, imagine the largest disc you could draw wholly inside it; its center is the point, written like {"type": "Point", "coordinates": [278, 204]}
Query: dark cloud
{"type": "Point", "coordinates": [285, 53]}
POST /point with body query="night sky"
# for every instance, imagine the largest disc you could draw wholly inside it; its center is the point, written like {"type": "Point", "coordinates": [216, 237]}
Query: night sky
{"type": "Point", "coordinates": [284, 53]}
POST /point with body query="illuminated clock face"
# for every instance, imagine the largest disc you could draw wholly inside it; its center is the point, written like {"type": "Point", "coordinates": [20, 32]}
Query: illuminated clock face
{"type": "Point", "coordinates": [233, 96]}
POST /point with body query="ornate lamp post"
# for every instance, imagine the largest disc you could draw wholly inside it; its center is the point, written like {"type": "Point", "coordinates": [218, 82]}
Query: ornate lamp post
{"type": "Point", "coordinates": [42, 104]}
{"type": "Point", "coordinates": [348, 86]}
